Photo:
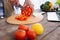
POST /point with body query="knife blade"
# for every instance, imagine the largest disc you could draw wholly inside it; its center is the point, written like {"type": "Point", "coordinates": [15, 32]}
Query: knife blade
{"type": "Point", "coordinates": [20, 6]}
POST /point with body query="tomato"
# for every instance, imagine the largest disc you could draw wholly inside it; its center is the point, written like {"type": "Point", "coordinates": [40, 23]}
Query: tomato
{"type": "Point", "coordinates": [31, 34]}
{"type": "Point", "coordinates": [23, 12]}
{"type": "Point", "coordinates": [23, 27]}
{"type": "Point", "coordinates": [32, 39]}
{"type": "Point", "coordinates": [21, 18]}
{"type": "Point", "coordinates": [27, 11]}
{"type": "Point", "coordinates": [20, 34]}
{"type": "Point", "coordinates": [17, 17]}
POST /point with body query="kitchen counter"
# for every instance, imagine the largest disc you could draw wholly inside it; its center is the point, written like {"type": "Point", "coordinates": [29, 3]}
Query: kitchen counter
{"type": "Point", "coordinates": [51, 32]}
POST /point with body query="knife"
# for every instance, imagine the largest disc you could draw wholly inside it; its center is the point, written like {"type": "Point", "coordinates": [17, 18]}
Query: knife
{"type": "Point", "coordinates": [20, 6]}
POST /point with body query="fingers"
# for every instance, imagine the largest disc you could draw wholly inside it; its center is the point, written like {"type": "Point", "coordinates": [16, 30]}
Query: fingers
{"type": "Point", "coordinates": [29, 3]}
{"type": "Point", "coordinates": [17, 4]}
{"type": "Point", "coordinates": [14, 2]}
{"type": "Point", "coordinates": [32, 6]}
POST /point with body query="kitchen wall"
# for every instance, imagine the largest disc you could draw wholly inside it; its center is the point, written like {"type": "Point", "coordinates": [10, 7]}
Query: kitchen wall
{"type": "Point", "coordinates": [8, 8]}
{"type": "Point", "coordinates": [39, 2]}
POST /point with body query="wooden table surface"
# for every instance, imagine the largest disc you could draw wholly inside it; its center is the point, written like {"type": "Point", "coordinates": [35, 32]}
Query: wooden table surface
{"type": "Point", "coordinates": [51, 32]}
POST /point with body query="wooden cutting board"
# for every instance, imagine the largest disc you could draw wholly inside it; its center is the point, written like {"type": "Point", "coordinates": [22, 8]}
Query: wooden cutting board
{"type": "Point", "coordinates": [30, 20]}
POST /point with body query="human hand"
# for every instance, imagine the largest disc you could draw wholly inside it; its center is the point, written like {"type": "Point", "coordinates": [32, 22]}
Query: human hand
{"type": "Point", "coordinates": [29, 3]}
{"type": "Point", "coordinates": [14, 2]}
{"type": "Point", "coordinates": [32, 7]}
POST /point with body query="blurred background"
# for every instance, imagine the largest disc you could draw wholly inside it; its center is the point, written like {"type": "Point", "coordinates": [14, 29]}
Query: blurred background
{"type": "Point", "coordinates": [39, 2]}
{"type": "Point", "coordinates": [5, 6]}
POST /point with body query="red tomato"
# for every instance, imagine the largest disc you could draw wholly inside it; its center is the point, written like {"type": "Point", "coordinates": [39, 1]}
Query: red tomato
{"type": "Point", "coordinates": [20, 34]}
{"type": "Point", "coordinates": [27, 11]}
{"type": "Point", "coordinates": [17, 17]}
{"type": "Point", "coordinates": [23, 27]}
{"type": "Point", "coordinates": [16, 39]}
{"type": "Point", "coordinates": [32, 39]}
{"type": "Point", "coordinates": [21, 18]}
{"type": "Point", "coordinates": [31, 34]}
